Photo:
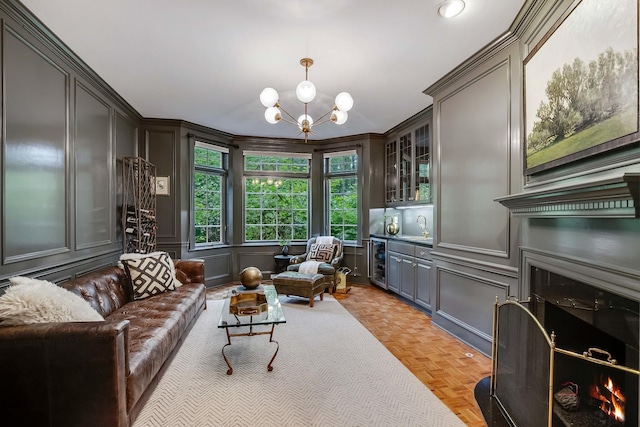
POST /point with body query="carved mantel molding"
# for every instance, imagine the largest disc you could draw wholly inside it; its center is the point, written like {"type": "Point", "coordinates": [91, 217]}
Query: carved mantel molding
{"type": "Point", "coordinates": [617, 197]}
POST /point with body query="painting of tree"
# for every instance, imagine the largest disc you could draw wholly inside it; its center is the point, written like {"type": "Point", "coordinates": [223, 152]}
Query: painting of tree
{"type": "Point", "coordinates": [581, 85]}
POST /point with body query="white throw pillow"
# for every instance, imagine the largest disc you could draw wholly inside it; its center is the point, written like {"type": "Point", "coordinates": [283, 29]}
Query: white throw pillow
{"type": "Point", "coordinates": [29, 301]}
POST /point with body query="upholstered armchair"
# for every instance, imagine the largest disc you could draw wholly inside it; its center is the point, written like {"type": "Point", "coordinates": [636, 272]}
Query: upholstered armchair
{"type": "Point", "coordinates": [324, 255]}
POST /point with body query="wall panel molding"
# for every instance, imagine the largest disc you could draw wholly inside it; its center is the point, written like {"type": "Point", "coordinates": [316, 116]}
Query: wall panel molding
{"type": "Point", "coordinates": [469, 136]}
{"type": "Point", "coordinates": [161, 149]}
{"type": "Point", "coordinates": [464, 303]}
{"type": "Point", "coordinates": [36, 152]}
{"type": "Point", "coordinates": [93, 150]}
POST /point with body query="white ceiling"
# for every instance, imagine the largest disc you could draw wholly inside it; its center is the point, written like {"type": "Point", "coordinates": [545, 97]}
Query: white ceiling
{"type": "Point", "coordinates": [206, 61]}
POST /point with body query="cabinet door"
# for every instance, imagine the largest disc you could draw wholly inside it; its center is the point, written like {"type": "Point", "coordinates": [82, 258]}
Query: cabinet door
{"type": "Point", "coordinates": [408, 277]}
{"type": "Point", "coordinates": [391, 195]}
{"type": "Point", "coordinates": [393, 275]}
{"type": "Point", "coordinates": [405, 167]}
{"type": "Point", "coordinates": [423, 283]}
{"type": "Point", "coordinates": [421, 181]}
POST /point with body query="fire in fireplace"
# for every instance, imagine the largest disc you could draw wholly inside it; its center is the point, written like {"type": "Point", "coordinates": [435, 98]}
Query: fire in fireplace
{"type": "Point", "coordinates": [609, 396]}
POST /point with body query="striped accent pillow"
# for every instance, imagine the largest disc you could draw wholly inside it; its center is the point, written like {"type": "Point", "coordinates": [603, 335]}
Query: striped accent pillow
{"type": "Point", "coordinates": [150, 275]}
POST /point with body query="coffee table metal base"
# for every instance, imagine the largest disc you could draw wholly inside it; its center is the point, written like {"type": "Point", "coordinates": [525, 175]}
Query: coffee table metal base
{"type": "Point", "coordinates": [251, 333]}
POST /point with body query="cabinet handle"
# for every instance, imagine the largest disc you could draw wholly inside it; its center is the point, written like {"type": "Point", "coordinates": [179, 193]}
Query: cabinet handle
{"type": "Point", "coordinates": [423, 253]}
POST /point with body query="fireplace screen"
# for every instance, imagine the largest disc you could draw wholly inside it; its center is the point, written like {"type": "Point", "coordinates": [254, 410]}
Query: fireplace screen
{"type": "Point", "coordinates": [538, 383]}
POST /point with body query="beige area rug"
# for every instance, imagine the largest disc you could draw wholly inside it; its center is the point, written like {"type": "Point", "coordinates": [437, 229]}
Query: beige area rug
{"type": "Point", "coordinates": [329, 371]}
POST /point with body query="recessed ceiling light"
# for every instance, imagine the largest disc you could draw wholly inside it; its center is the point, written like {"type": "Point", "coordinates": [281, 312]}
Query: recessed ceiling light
{"type": "Point", "coordinates": [451, 8]}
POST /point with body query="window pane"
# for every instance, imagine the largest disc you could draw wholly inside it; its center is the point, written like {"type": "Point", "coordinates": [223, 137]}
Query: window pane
{"type": "Point", "coordinates": [300, 202]}
{"type": "Point", "coordinates": [276, 164]}
{"type": "Point", "coordinates": [343, 198]}
{"type": "Point", "coordinates": [208, 196]}
{"type": "Point", "coordinates": [300, 232]}
{"type": "Point", "coordinates": [200, 155]}
{"type": "Point", "coordinates": [269, 217]}
{"type": "Point", "coordinates": [269, 232]}
{"type": "Point", "coordinates": [213, 234]}
{"type": "Point", "coordinates": [200, 218]}
{"type": "Point", "coordinates": [272, 210]}
{"type": "Point", "coordinates": [252, 232]}
{"type": "Point", "coordinates": [343, 163]}
{"type": "Point", "coordinates": [201, 234]}
{"type": "Point", "coordinates": [215, 159]}
{"type": "Point", "coordinates": [285, 232]}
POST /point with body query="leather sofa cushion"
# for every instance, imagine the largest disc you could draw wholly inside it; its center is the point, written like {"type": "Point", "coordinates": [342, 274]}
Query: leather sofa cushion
{"type": "Point", "coordinates": [106, 290]}
{"type": "Point", "coordinates": [156, 326]}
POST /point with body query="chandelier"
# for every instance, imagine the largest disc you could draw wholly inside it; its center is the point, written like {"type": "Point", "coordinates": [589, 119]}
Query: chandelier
{"type": "Point", "coordinates": [305, 92]}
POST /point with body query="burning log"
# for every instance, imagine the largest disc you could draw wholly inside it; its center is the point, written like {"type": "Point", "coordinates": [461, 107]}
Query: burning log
{"type": "Point", "coordinates": [610, 398]}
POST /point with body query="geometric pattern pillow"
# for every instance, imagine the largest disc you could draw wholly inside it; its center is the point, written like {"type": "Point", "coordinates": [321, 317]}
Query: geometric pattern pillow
{"type": "Point", "coordinates": [150, 275]}
{"type": "Point", "coordinates": [321, 252]}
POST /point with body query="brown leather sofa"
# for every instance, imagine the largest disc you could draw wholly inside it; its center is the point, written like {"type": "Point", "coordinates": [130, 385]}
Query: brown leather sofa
{"type": "Point", "coordinates": [97, 373]}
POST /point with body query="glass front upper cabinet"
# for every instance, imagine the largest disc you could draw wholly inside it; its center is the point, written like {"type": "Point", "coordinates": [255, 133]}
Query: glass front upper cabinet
{"type": "Point", "coordinates": [407, 167]}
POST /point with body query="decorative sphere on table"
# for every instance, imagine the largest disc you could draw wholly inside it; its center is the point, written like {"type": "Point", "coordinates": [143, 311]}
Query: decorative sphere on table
{"type": "Point", "coordinates": [251, 277]}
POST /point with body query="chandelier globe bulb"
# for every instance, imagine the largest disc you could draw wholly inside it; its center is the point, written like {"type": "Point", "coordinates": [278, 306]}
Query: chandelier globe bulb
{"type": "Point", "coordinates": [339, 117]}
{"type": "Point", "coordinates": [306, 91]}
{"type": "Point", "coordinates": [344, 101]}
{"type": "Point", "coordinates": [272, 115]}
{"type": "Point", "coordinates": [305, 122]}
{"type": "Point", "coordinates": [269, 97]}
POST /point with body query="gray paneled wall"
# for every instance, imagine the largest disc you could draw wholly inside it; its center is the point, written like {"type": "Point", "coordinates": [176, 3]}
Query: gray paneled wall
{"type": "Point", "coordinates": [474, 164]}
{"type": "Point", "coordinates": [36, 99]}
{"type": "Point", "coordinates": [478, 155]}
{"type": "Point", "coordinates": [65, 129]}
{"type": "Point", "coordinates": [476, 151]}
{"type": "Point", "coordinates": [94, 218]}
{"type": "Point", "coordinates": [161, 146]}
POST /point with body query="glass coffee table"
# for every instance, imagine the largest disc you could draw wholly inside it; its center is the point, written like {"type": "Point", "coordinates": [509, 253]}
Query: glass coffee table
{"type": "Point", "coordinates": [251, 309]}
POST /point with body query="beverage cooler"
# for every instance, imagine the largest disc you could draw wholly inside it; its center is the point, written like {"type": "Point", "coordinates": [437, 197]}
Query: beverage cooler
{"type": "Point", "coordinates": [378, 261]}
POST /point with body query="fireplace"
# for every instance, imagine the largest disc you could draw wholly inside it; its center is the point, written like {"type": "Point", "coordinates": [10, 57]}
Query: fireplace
{"type": "Point", "coordinates": [588, 319]}
{"type": "Point", "coordinates": [569, 355]}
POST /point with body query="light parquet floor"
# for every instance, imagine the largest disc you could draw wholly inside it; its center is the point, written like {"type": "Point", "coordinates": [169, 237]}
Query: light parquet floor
{"type": "Point", "coordinates": [450, 368]}
{"type": "Point", "coordinates": [447, 366]}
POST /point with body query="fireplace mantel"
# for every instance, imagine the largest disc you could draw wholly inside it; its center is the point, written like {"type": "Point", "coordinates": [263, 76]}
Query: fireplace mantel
{"type": "Point", "coordinates": [617, 197]}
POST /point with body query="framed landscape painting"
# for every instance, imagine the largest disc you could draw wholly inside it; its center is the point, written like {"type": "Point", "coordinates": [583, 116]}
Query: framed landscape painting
{"type": "Point", "coordinates": [581, 85]}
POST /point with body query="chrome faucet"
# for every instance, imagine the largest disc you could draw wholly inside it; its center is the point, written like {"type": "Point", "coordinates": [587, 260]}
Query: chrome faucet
{"type": "Point", "coordinates": [425, 233]}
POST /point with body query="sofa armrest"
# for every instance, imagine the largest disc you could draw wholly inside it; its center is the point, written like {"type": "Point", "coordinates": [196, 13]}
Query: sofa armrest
{"type": "Point", "coordinates": [297, 259]}
{"type": "Point", "coordinates": [189, 270]}
{"type": "Point", "coordinates": [68, 373]}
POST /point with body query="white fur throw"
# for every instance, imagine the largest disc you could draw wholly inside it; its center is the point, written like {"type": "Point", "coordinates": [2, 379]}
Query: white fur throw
{"type": "Point", "coordinates": [29, 301]}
